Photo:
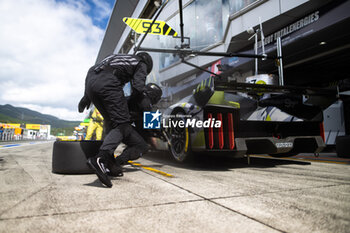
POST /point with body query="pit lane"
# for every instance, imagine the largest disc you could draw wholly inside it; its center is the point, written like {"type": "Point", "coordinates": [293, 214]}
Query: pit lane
{"type": "Point", "coordinates": [210, 194]}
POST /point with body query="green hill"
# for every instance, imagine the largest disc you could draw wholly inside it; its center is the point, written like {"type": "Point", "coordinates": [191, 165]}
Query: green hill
{"type": "Point", "coordinates": [11, 114]}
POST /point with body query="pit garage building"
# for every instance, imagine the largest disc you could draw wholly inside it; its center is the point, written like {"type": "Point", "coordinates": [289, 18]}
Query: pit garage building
{"type": "Point", "coordinates": [315, 40]}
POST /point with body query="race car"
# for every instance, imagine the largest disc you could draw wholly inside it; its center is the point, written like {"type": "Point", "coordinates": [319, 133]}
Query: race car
{"type": "Point", "coordinates": [236, 118]}
{"type": "Point", "coordinates": [279, 124]}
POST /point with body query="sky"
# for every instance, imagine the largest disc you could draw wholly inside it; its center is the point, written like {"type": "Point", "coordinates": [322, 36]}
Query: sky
{"type": "Point", "coordinates": [46, 49]}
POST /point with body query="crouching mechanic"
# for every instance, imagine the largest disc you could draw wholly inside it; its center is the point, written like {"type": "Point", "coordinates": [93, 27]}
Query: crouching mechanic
{"type": "Point", "coordinates": [137, 108]}
{"type": "Point", "coordinates": [137, 104]}
{"type": "Point", "coordinates": [104, 88]}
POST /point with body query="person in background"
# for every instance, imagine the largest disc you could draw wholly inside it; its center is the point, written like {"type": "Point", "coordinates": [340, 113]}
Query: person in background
{"type": "Point", "coordinates": [1, 132]}
{"type": "Point", "coordinates": [95, 125]}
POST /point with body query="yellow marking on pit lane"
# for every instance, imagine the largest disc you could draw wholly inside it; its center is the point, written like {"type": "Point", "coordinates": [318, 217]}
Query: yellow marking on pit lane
{"type": "Point", "coordinates": [151, 169]}
{"type": "Point", "coordinates": [187, 137]}
{"type": "Point", "coordinates": [299, 159]}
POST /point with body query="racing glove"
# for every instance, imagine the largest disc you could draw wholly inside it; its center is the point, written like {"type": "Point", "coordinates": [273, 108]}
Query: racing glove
{"type": "Point", "coordinates": [84, 103]}
{"type": "Point", "coordinates": [145, 103]}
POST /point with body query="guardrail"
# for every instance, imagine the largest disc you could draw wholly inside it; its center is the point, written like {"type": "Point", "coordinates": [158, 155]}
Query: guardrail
{"type": "Point", "coordinates": [7, 134]}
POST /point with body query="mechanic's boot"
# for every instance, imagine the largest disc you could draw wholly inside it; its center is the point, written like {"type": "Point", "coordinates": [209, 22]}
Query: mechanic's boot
{"type": "Point", "coordinates": [113, 169]}
{"type": "Point", "coordinates": [97, 163]}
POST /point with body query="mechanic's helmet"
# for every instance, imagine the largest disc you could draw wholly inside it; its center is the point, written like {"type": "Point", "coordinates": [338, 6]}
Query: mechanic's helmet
{"type": "Point", "coordinates": [146, 58]}
{"type": "Point", "coordinates": [153, 92]}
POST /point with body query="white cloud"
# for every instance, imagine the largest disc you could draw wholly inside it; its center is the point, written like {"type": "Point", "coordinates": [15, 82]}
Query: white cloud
{"type": "Point", "coordinates": [62, 113]}
{"type": "Point", "coordinates": [46, 48]}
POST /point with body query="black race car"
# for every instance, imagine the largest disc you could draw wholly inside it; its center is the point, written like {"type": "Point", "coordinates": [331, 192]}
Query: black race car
{"type": "Point", "coordinates": [254, 119]}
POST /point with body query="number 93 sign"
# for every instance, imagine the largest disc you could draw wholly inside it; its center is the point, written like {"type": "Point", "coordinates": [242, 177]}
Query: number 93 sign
{"type": "Point", "coordinates": [142, 25]}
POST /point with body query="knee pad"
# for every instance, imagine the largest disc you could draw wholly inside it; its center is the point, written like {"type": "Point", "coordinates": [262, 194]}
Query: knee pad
{"type": "Point", "coordinates": [144, 148]}
{"type": "Point", "coordinates": [137, 152]}
{"type": "Point", "coordinates": [135, 155]}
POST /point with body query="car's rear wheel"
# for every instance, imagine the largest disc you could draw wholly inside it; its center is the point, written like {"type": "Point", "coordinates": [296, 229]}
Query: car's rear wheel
{"type": "Point", "coordinates": [180, 147]}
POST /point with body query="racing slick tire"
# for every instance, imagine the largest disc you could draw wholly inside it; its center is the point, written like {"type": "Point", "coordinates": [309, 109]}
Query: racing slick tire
{"type": "Point", "coordinates": [69, 157]}
{"type": "Point", "coordinates": [342, 146]}
{"type": "Point", "coordinates": [180, 147]}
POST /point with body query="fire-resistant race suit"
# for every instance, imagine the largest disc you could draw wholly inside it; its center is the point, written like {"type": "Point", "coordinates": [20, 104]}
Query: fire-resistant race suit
{"type": "Point", "coordinates": [104, 88]}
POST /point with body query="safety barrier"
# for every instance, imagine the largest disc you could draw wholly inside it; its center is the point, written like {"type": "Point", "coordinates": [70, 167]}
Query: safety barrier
{"type": "Point", "coordinates": [8, 134]}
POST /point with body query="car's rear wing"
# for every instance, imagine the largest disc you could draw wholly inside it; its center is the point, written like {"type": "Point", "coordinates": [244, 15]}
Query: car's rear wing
{"type": "Point", "coordinates": [302, 102]}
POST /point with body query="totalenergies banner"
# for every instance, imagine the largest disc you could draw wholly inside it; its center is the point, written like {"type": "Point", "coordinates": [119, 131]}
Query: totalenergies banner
{"type": "Point", "coordinates": [33, 126]}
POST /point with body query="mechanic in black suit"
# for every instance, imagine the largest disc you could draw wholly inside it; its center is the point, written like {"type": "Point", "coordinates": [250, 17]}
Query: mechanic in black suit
{"type": "Point", "coordinates": [104, 88]}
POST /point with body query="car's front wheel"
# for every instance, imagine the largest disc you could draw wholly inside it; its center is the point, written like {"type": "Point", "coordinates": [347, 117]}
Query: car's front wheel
{"type": "Point", "coordinates": [180, 147]}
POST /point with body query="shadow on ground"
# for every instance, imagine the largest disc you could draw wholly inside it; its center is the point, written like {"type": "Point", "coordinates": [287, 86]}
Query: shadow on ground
{"type": "Point", "coordinates": [208, 162]}
{"type": "Point", "coordinates": [96, 183]}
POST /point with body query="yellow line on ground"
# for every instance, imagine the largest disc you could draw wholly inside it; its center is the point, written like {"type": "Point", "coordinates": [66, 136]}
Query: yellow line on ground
{"type": "Point", "coordinates": [187, 137]}
{"type": "Point", "coordinates": [299, 160]}
{"type": "Point", "coordinates": [151, 169]}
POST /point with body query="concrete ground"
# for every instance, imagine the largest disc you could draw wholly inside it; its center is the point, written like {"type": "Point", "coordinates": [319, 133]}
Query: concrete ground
{"type": "Point", "coordinates": [211, 194]}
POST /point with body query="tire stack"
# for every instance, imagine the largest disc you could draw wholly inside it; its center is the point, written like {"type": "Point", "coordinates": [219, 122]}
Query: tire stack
{"type": "Point", "coordinates": [69, 157]}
